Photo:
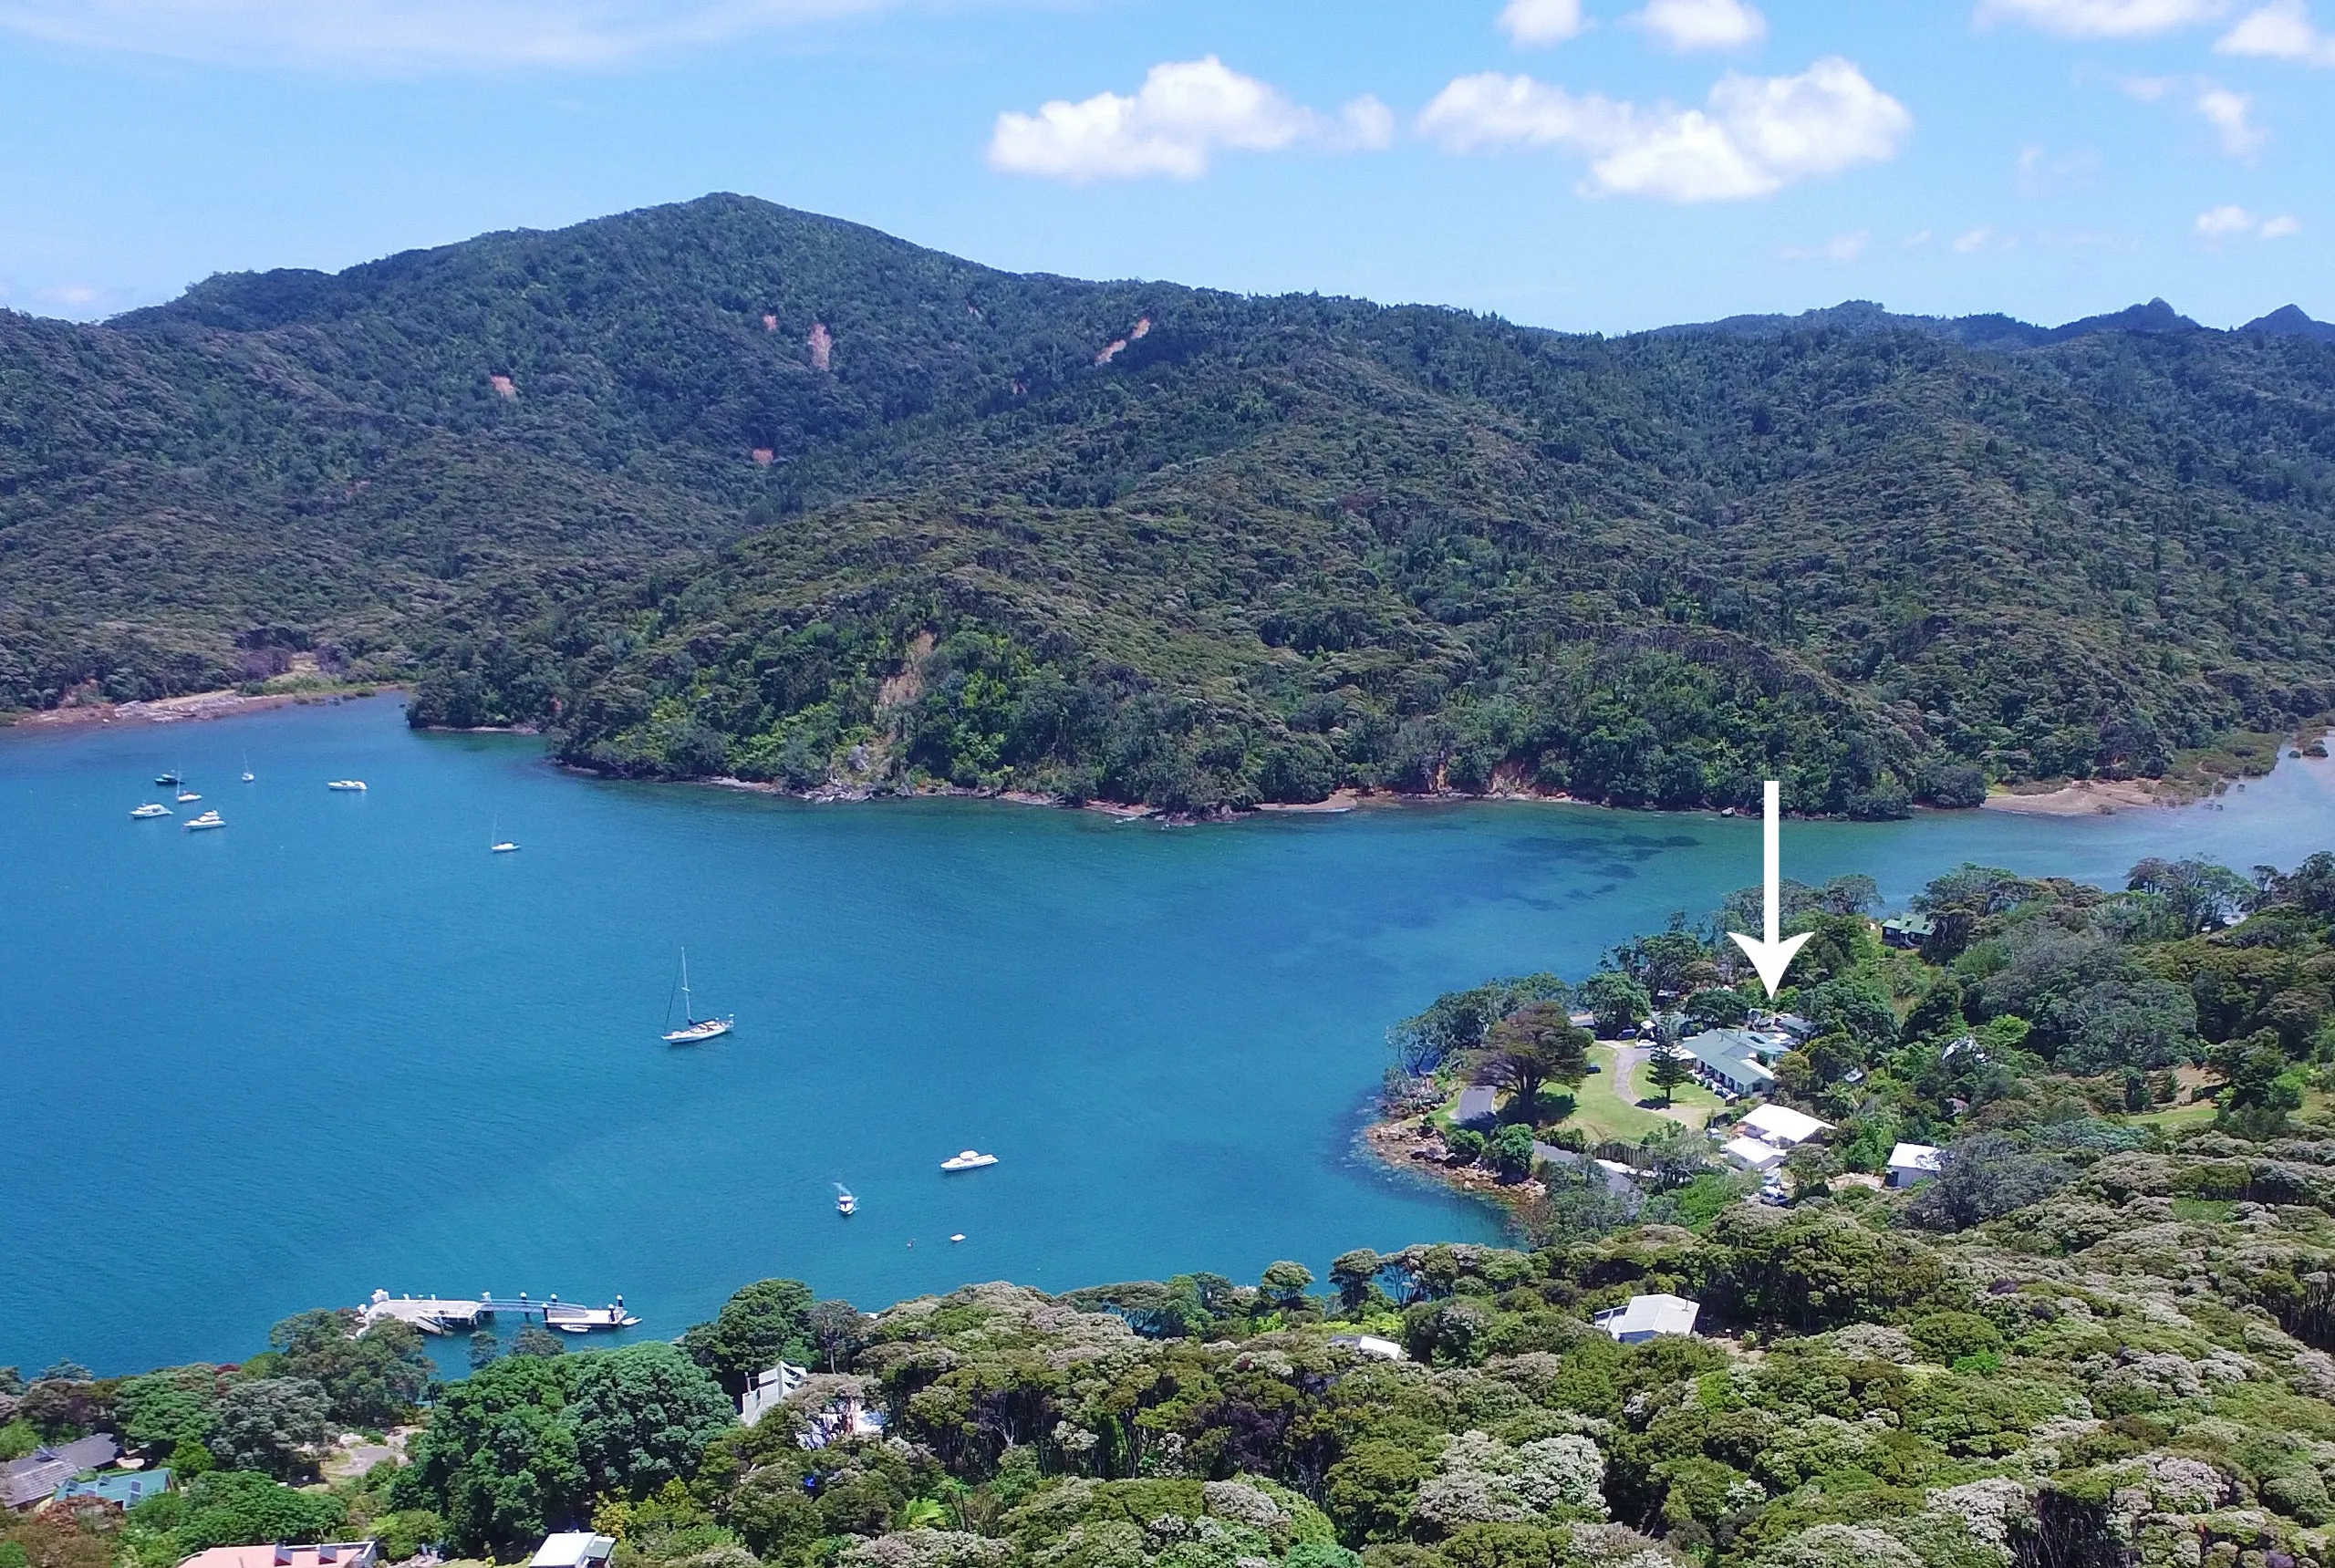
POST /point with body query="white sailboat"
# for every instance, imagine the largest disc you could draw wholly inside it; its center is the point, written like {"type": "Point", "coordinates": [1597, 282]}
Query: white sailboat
{"type": "Point", "coordinates": [186, 791]}
{"type": "Point", "coordinates": [695, 1029]}
{"type": "Point", "coordinates": [496, 844]}
{"type": "Point", "coordinates": [248, 775]}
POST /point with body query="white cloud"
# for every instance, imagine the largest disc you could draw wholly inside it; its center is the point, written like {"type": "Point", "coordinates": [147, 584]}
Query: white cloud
{"type": "Point", "coordinates": [2103, 18]}
{"type": "Point", "coordinates": [2151, 89]}
{"type": "Point", "coordinates": [1537, 22]}
{"type": "Point", "coordinates": [2279, 31]}
{"type": "Point", "coordinates": [2221, 221]}
{"type": "Point", "coordinates": [1756, 135]}
{"type": "Point", "coordinates": [1843, 248]}
{"type": "Point", "coordinates": [1970, 242]}
{"type": "Point", "coordinates": [2039, 174]}
{"type": "Point", "coordinates": [2233, 221]}
{"type": "Point", "coordinates": [2231, 116]}
{"type": "Point", "coordinates": [1184, 113]}
{"type": "Point", "coordinates": [1918, 240]}
{"type": "Point", "coordinates": [406, 35]}
{"type": "Point", "coordinates": [1703, 24]}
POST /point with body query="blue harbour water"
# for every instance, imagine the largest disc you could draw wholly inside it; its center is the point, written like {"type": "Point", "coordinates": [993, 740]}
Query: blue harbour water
{"type": "Point", "coordinates": [341, 1046]}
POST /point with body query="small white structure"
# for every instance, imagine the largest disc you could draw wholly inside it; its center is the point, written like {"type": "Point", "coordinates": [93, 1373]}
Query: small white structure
{"type": "Point", "coordinates": [1645, 1316]}
{"type": "Point", "coordinates": [1910, 1164]}
{"type": "Point", "coordinates": [573, 1549]}
{"type": "Point", "coordinates": [1781, 1125]}
{"type": "Point", "coordinates": [772, 1387]}
{"type": "Point", "coordinates": [1369, 1344]}
{"type": "Point", "coordinates": [1753, 1154]}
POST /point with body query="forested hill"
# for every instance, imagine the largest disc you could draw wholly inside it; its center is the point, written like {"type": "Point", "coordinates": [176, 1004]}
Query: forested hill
{"type": "Point", "coordinates": [727, 488]}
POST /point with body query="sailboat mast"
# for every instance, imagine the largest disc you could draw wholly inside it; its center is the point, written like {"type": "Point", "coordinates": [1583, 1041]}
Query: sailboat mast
{"type": "Point", "coordinates": [689, 1008]}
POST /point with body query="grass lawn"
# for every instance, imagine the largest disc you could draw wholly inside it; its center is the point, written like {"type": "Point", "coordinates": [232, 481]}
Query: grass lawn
{"type": "Point", "coordinates": [1600, 1111]}
{"type": "Point", "coordinates": [2174, 1118]}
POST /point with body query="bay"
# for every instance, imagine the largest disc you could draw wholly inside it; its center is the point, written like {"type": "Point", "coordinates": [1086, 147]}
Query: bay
{"type": "Point", "coordinates": [340, 1045]}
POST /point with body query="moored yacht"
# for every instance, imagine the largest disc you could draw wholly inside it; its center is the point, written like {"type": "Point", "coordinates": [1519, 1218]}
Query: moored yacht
{"type": "Point", "coordinates": [354, 785]}
{"type": "Point", "coordinates": [970, 1160]}
{"type": "Point", "coordinates": [694, 1029]}
{"type": "Point", "coordinates": [152, 808]}
{"type": "Point", "coordinates": [208, 819]}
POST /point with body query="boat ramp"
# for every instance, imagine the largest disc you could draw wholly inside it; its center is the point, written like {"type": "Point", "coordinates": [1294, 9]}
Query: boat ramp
{"type": "Point", "coordinates": [441, 1314]}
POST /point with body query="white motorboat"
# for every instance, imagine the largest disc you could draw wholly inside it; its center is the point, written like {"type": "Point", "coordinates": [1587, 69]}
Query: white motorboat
{"type": "Point", "coordinates": [152, 808]}
{"type": "Point", "coordinates": [958, 1237]}
{"type": "Point", "coordinates": [694, 1029]}
{"type": "Point", "coordinates": [187, 794]}
{"type": "Point", "coordinates": [208, 819]}
{"type": "Point", "coordinates": [505, 848]}
{"type": "Point", "coordinates": [845, 1204]}
{"type": "Point", "coordinates": [353, 786]}
{"type": "Point", "coordinates": [970, 1160]}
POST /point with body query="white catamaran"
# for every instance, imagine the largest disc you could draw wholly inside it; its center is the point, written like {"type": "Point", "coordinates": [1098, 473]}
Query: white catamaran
{"type": "Point", "coordinates": [695, 1029]}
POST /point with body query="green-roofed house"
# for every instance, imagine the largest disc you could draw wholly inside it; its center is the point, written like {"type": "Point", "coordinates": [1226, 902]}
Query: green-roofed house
{"type": "Point", "coordinates": [1732, 1061]}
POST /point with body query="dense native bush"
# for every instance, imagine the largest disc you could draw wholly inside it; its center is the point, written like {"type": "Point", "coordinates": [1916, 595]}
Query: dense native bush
{"type": "Point", "coordinates": [723, 487]}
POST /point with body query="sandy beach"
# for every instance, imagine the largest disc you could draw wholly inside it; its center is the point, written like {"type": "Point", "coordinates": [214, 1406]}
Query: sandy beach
{"type": "Point", "coordinates": [2088, 797]}
{"type": "Point", "coordinates": [193, 706]}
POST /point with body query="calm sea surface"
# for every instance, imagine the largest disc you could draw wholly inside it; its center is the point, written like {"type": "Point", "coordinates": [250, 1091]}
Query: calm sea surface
{"type": "Point", "coordinates": [340, 1045]}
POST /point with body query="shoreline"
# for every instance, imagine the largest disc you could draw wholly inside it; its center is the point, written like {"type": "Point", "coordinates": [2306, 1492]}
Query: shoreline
{"type": "Point", "coordinates": [2074, 799]}
{"type": "Point", "coordinates": [194, 706]}
{"type": "Point", "coordinates": [2097, 798]}
{"type": "Point", "coordinates": [1404, 1151]}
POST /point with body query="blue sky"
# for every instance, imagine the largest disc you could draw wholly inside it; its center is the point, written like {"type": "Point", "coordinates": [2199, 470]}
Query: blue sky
{"type": "Point", "coordinates": [1583, 164]}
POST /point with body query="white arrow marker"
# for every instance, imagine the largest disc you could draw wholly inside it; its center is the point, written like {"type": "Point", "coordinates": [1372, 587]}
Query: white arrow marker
{"type": "Point", "coordinates": [1772, 956]}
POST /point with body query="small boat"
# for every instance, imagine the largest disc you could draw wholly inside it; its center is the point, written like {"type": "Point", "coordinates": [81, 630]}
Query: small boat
{"type": "Point", "coordinates": [970, 1160]}
{"type": "Point", "coordinates": [166, 779]}
{"type": "Point", "coordinates": [958, 1237]}
{"type": "Point", "coordinates": [497, 843]}
{"type": "Point", "coordinates": [695, 1030]}
{"type": "Point", "coordinates": [354, 785]}
{"type": "Point", "coordinates": [248, 775]}
{"type": "Point", "coordinates": [152, 808]}
{"type": "Point", "coordinates": [845, 1204]}
{"type": "Point", "coordinates": [501, 848]}
{"type": "Point", "coordinates": [187, 794]}
{"type": "Point", "coordinates": [208, 819]}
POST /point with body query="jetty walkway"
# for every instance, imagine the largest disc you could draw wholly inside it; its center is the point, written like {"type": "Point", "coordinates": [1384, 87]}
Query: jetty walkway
{"type": "Point", "coordinates": [459, 1314]}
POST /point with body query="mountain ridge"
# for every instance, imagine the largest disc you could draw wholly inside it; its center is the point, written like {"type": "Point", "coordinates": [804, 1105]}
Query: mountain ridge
{"type": "Point", "coordinates": [721, 487]}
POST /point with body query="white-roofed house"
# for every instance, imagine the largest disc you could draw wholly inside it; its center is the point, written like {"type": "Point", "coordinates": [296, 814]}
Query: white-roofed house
{"type": "Point", "coordinates": [773, 1386]}
{"type": "Point", "coordinates": [1781, 1125]}
{"type": "Point", "coordinates": [1910, 1164]}
{"type": "Point", "coordinates": [1643, 1317]}
{"type": "Point", "coordinates": [1753, 1154]}
{"type": "Point", "coordinates": [573, 1549]}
